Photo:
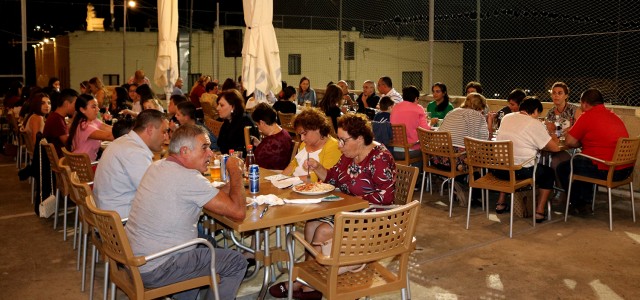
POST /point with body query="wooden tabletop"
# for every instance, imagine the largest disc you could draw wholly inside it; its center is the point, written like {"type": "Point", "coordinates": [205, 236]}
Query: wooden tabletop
{"type": "Point", "coordinates": [288, 213]}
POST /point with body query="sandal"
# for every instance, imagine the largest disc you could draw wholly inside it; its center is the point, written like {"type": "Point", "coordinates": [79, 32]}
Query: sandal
{"type": "Point", "coordinates": [540, 217]}
{"type": "Point", "coordinates": [504, 206]}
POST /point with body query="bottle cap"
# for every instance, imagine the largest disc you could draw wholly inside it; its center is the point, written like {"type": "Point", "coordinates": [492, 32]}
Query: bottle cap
{"type": "Point", "coordinates": [249, 147]}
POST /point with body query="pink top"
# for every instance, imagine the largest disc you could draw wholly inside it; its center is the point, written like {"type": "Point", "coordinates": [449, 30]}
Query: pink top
{"type": "Point", "coordinates": [81, 141]}
{"type": "Point", "coordinates": [412, 115]}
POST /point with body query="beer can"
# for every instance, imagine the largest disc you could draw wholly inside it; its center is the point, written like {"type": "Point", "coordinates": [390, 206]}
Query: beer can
{"type": "Point", "coordinates": [254, 179]}
{"type": "Point", "coordinates": [223, 168]}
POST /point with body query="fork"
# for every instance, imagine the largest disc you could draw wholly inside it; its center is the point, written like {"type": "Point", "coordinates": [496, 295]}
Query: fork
{"type": "Point", "coordinates": [308, 177]}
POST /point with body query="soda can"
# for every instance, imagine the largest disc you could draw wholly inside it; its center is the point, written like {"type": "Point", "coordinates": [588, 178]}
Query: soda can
{"type": "Point", "coordinates": [223, 168]}
{"type": "Point", "coordinates": [254, 179]}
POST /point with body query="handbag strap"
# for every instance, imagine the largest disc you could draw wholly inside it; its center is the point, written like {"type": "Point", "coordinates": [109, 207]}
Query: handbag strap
{"type": "Point", "coordinates": [40, 173]}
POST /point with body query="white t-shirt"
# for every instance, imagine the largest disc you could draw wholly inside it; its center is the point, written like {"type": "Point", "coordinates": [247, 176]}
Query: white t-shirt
{"type": "Point", "coordinates": [527, 134]}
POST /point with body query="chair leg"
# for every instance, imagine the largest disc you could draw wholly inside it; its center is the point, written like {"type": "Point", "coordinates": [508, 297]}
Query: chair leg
{"type": "Point", "coordinates": [79, 248]}
{"type": "Point", "coordinates": [453, 180]}
{"type": "Point", "coordinates": [75, 230]}
{"type": "Point", "coordinates": [33, 189]}
{"type": "Point", "coordinates": [408, 289]}
{"type": "Point", "coordinates": [113, 291]}
{"type": "Point", "coordinates": [566, 210]}
{"type": "Point", "coordinates": [55, 215]}
{"type": "Point", "coordinates": [92, 276]}
{"type": "Point", "coordinates": [424, 175]}
{"type": "Point", "coordinates": [64, 220]}
{"type": "Point", "coordinates": [633, 205]}
{"type": "Point", "coordinates": [593, 198]}
{"type": "Point", "coordinates": [610, 210]}
{"type": "Point", "coordinates": [511, 217]}
{"type": "Point", "coordinates": [84, 259]}
{"type": "Point", "coordinates": [430, 185]}
{"type": "Point", "coordinates": [105, 288]}
{"type": "Point", "coordinates": [533, 214]}
{"type": "Point", "coordinates": [469, 206]}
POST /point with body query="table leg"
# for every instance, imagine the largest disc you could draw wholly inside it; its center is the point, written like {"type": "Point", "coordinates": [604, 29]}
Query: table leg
{"type": "Point", "coordinates": [267, 266]}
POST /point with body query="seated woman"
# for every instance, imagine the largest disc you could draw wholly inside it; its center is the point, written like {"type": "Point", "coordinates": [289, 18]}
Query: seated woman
{"type": "Point", "coordinates": [274, 150]}
{"type": "Point", "coordinates": [306, 93]}
{"type": "Point", "coordinates": [331, 102]}
{"type": "Point", "coordinates": [366, 169]}
{"type": "Point", "coordinates": [39, 107]}
{"type": "Point", "coordinates": [286, 104]}
{"type": "Point", "coordinates": [87, 131]}
{"type": "Point", "coordinates": [118, 101]}
{"type": "Point", "coordinates": [314, 129]}
{"type": "Point", "coordinates": [528, 136]}
{"type": "Point", "coordinates": [466, 120]}
{"type": "Point", "coordinates": [562, 114]}
{"type": "Point", "coordinates": [231, 110]}
{"type": "Point", "coordinates": [441, 106]}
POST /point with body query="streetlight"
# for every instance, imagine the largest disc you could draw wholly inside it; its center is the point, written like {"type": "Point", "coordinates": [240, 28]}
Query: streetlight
{"type": "Point", "coordinates": [131, 4]}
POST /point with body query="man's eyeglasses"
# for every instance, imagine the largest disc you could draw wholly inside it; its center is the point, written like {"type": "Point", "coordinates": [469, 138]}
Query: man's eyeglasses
{"type": "Point", "coordinates": [342, 141]}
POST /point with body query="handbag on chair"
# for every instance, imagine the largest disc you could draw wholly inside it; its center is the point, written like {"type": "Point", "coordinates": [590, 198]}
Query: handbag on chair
{"type": "Point", "coordinates": [326, 251]}
{"type": "Point", "coordinates": [47, 206]}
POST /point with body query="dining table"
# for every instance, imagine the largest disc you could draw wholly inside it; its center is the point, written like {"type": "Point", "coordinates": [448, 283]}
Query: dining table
{"type": "Point", "coordinates": [260, 220]}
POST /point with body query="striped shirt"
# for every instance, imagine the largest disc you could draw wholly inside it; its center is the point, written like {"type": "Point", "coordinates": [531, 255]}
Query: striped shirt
{"type": "Point", "coordinates": [463, 122]}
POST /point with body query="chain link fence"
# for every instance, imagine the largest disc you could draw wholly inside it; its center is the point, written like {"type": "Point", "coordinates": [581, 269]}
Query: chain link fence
{"type": "Point", "coordinates": [504, 44]}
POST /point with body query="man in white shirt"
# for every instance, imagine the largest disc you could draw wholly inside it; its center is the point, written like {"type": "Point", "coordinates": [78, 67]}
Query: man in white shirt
{"type": "Point", "coordinates": [125, 161]}
{"type": "Point", "coordinates": [385, 88]}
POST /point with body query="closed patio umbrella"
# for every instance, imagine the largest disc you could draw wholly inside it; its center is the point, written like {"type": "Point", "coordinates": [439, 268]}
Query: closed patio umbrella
{"type": "Point", "coordinates": [260, 53]}
{"type": "Point", "coordinates": [167, 62]}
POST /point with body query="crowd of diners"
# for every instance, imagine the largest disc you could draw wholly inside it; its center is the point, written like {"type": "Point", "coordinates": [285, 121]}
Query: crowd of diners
{"type": "Point", "coordinates": [162, 200]}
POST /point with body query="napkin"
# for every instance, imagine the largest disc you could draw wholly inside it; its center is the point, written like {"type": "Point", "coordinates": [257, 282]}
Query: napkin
{"type": "Point", "coordinates": [276, 177]}
{"type": "Point", "coordinates": [283, 184]}
{"type": "Point", "coordinates": [270, 199]}
{"type": "Point", "coordinates": [217, 184]}
{"type": "Point", "coordinates": [302, 201]}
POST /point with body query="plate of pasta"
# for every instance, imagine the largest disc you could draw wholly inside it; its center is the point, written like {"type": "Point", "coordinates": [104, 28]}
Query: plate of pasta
{"type": "Point", "coordinates": [314, 188]}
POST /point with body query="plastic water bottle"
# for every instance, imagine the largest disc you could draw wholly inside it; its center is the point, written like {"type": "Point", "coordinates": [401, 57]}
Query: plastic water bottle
{"type": "Point", "coordinates": [250, 159]}
{"type": "Point", "coordinates": [558, 125]}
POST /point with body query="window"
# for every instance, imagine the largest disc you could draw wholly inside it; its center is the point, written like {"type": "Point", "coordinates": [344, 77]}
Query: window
{"type": "Point", "coordinates": [111, 79]}
{"type": "Point", "coordinates": [295, 64]}
{"type": "Point", "coordinates": [349, 51]}
{"type": "Point", "coordinates": [412, 78]}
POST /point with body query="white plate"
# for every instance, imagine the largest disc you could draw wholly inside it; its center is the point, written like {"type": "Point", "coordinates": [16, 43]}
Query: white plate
{"type": "Point", "coordinates": [327, 188]}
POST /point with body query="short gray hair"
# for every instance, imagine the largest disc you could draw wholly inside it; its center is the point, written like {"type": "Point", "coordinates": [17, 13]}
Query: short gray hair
{"type": "Point", "coordinates": [185, 135]}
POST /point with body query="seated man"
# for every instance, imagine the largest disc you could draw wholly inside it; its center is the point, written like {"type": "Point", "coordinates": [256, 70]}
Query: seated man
{"type": "Point", "coordinates": [412, 115]}
{"type": "Point", "coordinates": [125, 161]}
{"type": "Point", "coordinates": [597, 131]}
{"type": "Point", "coordinates": [165, 212]}
{"type": "Point", "coordinates": [528, 136]}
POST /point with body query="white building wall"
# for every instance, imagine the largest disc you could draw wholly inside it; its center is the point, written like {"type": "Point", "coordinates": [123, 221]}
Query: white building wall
{"type": "Point", "coordinates": [97, 53]}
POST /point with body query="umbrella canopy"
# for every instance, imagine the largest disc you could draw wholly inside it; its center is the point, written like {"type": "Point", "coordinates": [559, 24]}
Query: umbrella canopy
{"type": "Point", "coordinates": [167, 63]}
{"type": "Point", "coordinates": [260, 53]}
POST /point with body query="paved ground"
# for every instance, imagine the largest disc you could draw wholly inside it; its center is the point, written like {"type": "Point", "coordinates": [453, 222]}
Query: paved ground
{"type": "Point", "coordinates": [580, 259]}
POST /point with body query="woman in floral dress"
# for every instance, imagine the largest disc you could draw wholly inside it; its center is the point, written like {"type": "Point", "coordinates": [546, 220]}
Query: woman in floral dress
{"type": "Point", "coordinates": [365, 169]}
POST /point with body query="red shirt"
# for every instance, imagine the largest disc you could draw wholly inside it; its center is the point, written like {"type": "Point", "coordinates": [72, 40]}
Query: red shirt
{"type": "Point", "coordinates": [54, 128]}
{"type": "Point", "coordinates": [598, 130]}
{"type": "Point", "coordinates": [195, 95]}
